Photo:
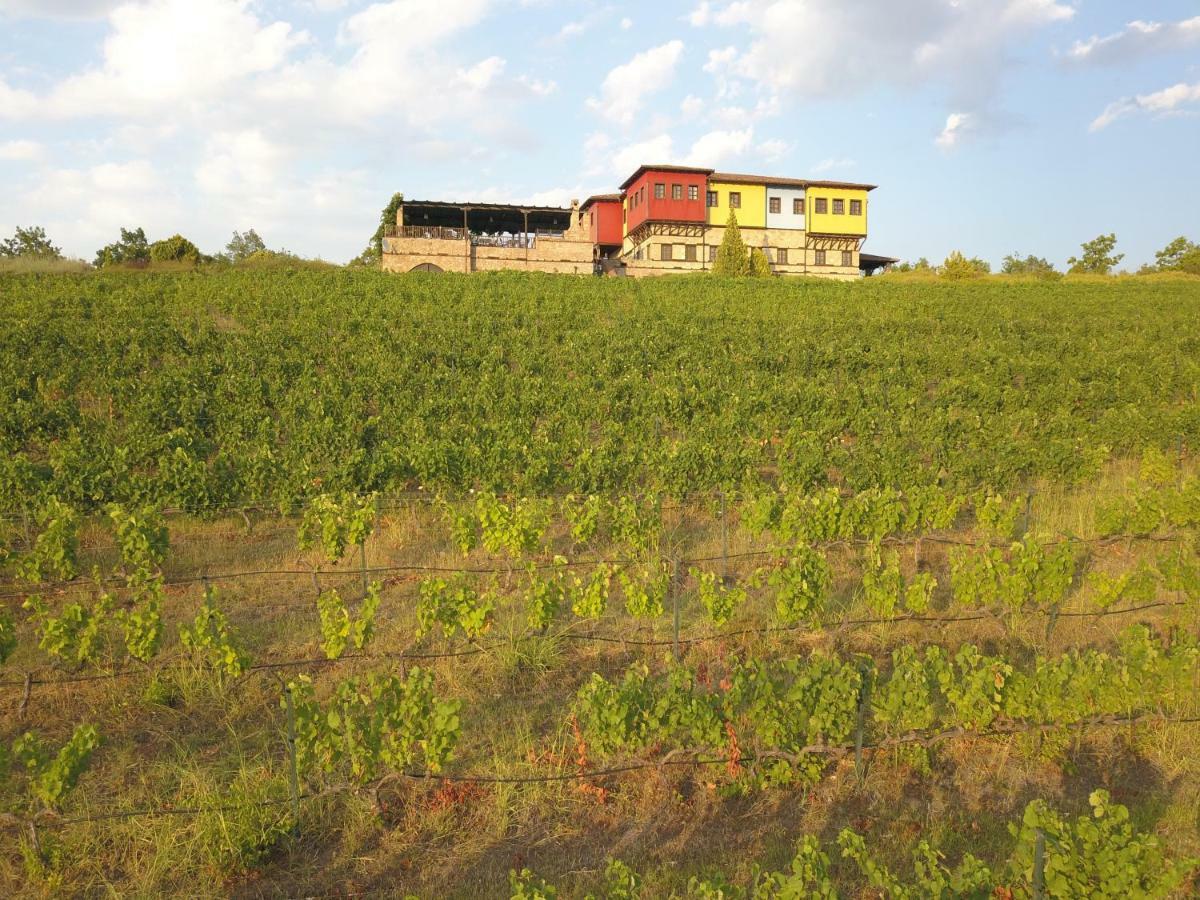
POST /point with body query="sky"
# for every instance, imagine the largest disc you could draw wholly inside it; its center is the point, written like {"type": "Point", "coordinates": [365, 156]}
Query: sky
{"type": "Point", "coordinates": [990, 126]}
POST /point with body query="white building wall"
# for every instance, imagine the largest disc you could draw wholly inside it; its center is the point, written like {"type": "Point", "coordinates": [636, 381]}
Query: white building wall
{"type": "Point", "coordinates": [785, 218]}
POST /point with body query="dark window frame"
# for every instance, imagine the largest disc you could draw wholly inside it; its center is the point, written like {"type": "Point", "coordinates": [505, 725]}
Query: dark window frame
{"type": "Point", "coordinates": [660, 190]}
{"type": "Point", "coordinates": [856, 207]}
{"type": "Point", "coordinates": [797, 206]}
{"type": "Point", "coordinates": [775, 205]}
{"type": "Point", "coordinates": [676, 191]}
{"type": "Point", "coordinates": [693, 192]}
{"type": "Point", "coordinates": [839, 206]}
{"type": "Point", "coordinates": [822, 206]}
{"type": "Point", "coordinates": [819, 258]}
{"type": "Point", "coordinates": [666, 252]}
{"type": "Point", "coordinates": [847, 258]}
{"type": "Point", "coordinates": [781, 256]}
{"type": "Point", "coordinates": [735, 199]}
{"type": "Point", "coordinates": [713, 199]}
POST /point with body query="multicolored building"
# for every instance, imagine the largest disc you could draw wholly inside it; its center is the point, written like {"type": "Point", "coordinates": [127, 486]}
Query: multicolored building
{"type": "Point", "coordinates": [666, 219]}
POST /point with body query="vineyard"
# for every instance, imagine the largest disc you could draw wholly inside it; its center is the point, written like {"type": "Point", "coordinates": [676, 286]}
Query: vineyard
{"type": "Point", "coordinates": [334, 585]}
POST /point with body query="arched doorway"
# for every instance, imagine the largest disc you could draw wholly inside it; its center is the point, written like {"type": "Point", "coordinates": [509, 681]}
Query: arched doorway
{"type": "Point", "coordinates": [426, 267]}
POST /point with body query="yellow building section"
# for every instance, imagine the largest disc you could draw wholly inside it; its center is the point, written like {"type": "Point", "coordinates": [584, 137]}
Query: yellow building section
{"type": "Point", "coordinates": [852, 218]}
{"type": "Point", "coordinates": [624, 216]}
{"type": "Point", "coordinates": [751, 209]}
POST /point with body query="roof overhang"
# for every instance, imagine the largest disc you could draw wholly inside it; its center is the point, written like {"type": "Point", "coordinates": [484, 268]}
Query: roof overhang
{"type": "Point", "coordinates": [641, 170]}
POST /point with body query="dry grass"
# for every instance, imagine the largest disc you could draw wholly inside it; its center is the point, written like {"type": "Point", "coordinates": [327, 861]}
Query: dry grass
{"type": "Point", "coordinates": [179, 738]}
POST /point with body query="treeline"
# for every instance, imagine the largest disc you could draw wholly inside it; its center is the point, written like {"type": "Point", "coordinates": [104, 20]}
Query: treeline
{"type": "Point", "coordinates": [1097, 257]}
{"type": "Point", "coordinates": [33, 247]}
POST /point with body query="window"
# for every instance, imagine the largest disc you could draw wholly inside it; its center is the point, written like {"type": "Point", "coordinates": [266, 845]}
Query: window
{"type": "Point", "coordinates": [666, 251]}
{"type": "Point", "coordinates": [677, 192]}
{"type": "Point", "coordinates": [819, 255]}
{"type": "Point", "coordinates": [847, 258]}
{"type": "Point", "coordinates": [712, 254]}
{"type": "Point", "coordinates": [822, 206]}
{"type": "Point", "coordinates": [798, 206]}
{"type": "Point", "coordinates": [689, 252]}
{"type": "Point", "coordinates": [693, 192]}
{"type": "Point", "coordinates": [713, 200]}
{"type": "Point", "coordinates": [735, 200]}
{"type": "Point", "coordinates": [856, 207]}
{"type": "Point", "coordinates": [774, 206]}
{"type": "Point", "coordinates": [660, 191]}
{"type": "Point", "coordinates": [781, 255]}
{"type": "Point", "coordinates": [839, 207]}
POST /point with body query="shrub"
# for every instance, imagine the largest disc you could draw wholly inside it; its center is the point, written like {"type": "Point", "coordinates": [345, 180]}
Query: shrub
{"type": "Point", "coordinates": [176, 248]}
{"type": "Point", "coordinates": [957, 267]}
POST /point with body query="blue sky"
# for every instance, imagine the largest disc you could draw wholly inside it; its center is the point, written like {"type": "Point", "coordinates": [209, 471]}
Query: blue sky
{"type": "Point", "coordinates": [991, 126]}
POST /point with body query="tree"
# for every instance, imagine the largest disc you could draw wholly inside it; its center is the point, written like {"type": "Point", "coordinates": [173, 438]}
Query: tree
{"type": "Point", "coordinates": [176, 248]}
{"type": "Point", "coordinates": [760, 266]}
{"type": "Point", "coordinates": [1172, 256]}
{"type": "Point", "coordinates": [373, 254]}
{"type": "Point", "coordinates": [131, 249]}
{"type": "Point", "coordinates": [732, 256]}
{"type": "Point", "coordinates": [28, 243]}
{"type": "Point", "coordinates": [957, 266]}
{"type": "Point", "coordinates": [1190, 262]}
{"type": "Point", "coordinates": [1029, 265]}
{"type": "Point", "coordinates": [921, 265]}
{"type": "Point", "coordinates": [1097, 257]}
{"type": "Point", "coordinates": [243, 245]}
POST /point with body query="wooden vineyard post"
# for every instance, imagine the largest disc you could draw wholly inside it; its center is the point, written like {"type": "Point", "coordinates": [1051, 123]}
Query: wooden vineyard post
{"type": "Point", "coordinates": [1039, 865]}
{"type": "Point", "coordinates": [293, 775]}
{"type": "Point", "coordinates": [674, 588]}
{"type": "Point", "coordinates": [724, 542]}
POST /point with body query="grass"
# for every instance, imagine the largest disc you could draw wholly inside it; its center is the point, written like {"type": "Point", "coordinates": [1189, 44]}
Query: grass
{"type": "Point", "coordinates": [177, 737]}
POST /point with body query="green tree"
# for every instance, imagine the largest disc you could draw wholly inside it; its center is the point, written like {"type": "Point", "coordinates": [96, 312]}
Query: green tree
{"type": "Point", "coordinates": [732, 256]}
{"type": "Point", "coordinates": [957, 266]}
{"type": "Point", "coordinates": [176, 248]}
{"type": "Point", "coordinates": [28, 243]}
{"type": "Point", "coordinates": [1097, 257]}
{"type": "Point", "coordinates": [131, 249]}
{"type": "Point", "coordinates": [244, 245]}
{"type": "Point", "coordinates": [760, 267]}
{"type": "Point", "coordinates": [1028, 265]}
{"type": "Point", "coordinates": [373, 254]}
{"type": "Point", "coordinates": [921, 265]}
{"type": "Point", "coordinates": [1190, 262]}
{"type": "Point", "coordinates": [1171, 257]}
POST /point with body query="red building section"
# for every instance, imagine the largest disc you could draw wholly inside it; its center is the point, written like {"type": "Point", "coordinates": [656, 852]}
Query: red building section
{"type": "Point", "coordinates": [603, 215]}
{"type": "Point", "coordinates": [665, 194]}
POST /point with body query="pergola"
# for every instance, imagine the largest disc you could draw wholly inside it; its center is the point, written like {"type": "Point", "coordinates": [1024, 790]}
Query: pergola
{"type": "Point", "coordinates": [487, 218]}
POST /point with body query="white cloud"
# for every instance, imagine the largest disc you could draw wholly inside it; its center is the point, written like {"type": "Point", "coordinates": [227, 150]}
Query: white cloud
{"type": "Point", "coordinates": [1164, 102]}
{"type": "Point", "coordinates": [20, 151]}
{"type": "Point", "coordinates": [483, 74]}
{"type": "Point", "coordinates": [83, 208]}
{"type": "Point", "coordinates": [626, 87]}
{"type": "Point", "coordinates": [1137, 40]}
{"type": "Point", "coordinates": [964, 45]}
{"type": "Point", "coordinates": [716, 147]}
{"type": "Point", "coordinates": [626, 23]}
{"type": "Point", "coordinates": [957, 125]}
{"type": "Point", "coordinates": [171, 52]}
{"type": "Point", "coordinates": [59, 9]}
{"type": "Point", "coordinates": [16, 103]}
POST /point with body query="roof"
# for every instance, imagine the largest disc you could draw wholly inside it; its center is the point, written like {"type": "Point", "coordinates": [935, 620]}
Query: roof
{"type": "Point", "coordinates": [496, 207]}
{"type": "Point", "coordinates": [666, 168]}
{"type": "Point", "coordinates": [601, 198]}
{"type": "Point", "coordinates": [877, 260]}
{"type": "Point", "coordinates": [773, 181]}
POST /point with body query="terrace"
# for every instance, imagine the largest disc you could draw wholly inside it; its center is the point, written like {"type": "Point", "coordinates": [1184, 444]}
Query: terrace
{"type": "Point", "coordinates": [483, 224]}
